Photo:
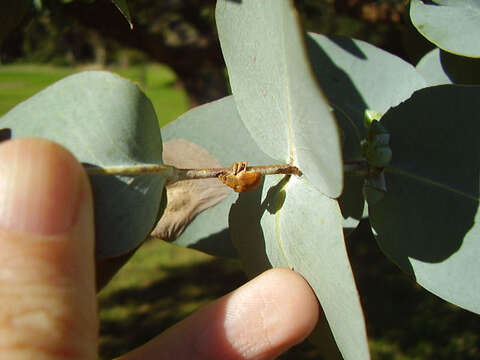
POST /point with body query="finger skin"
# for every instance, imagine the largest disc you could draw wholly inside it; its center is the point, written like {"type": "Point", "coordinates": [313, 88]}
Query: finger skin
{"type": "Point", "coordinates": [47, 292]}
{"type": "Point", "coordinates": [260, 320]}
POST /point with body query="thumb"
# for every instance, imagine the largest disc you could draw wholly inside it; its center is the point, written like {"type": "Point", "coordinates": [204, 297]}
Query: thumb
{"type": "Point", "coordinates": [47, 291]}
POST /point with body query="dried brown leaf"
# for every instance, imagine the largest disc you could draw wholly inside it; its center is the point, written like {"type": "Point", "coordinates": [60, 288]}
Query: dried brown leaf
{"type": "Point", "coordinates": [187, 198]}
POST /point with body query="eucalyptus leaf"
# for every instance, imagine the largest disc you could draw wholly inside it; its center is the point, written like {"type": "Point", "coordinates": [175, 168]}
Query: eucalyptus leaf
{"type": "Point", "coordinates": [428, 220]}
{"type": "Point", "coordinates": [275, 91]}
{"type": "Point", "coordinates": [123, 8]}
{"type": "Point", "coordinates": [452, 25]}
{"type": "Point", "coordinates": [104, 120]}
{"type": "Point", "coordinates": [440, 67]}
{"type": "Point", "coordinates": [357, 76]}
{"type": "Point", "coordinates": [217, 128]}
{"type": "Point", "coordinates": [289, 223]}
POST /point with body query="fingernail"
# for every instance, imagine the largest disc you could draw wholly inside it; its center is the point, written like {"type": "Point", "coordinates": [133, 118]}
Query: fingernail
{"type": "Point", "coordinates": [40, 185]}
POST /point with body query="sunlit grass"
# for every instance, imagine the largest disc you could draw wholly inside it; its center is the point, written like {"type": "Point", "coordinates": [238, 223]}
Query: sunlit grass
{"type": "Point", "coordinates": [159, 286]}
{"type": "Point", "coordinates": [19, 82]}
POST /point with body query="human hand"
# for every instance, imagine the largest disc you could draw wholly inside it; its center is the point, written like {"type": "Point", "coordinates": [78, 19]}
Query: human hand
{"type": "Point", "coordinates": [48, 306]}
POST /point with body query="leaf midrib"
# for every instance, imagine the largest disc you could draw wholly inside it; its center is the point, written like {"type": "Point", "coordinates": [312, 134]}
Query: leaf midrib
{"type": "Point", "coordinates": [288, 109]}
{"type": "Point", "coordinates": [288, 100]}
{"type": "Point", "coordinates": [428, 181]}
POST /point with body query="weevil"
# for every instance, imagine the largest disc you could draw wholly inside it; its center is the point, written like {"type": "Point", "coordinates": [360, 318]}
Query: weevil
{"type": "Point", "coordinates": [240, 179]}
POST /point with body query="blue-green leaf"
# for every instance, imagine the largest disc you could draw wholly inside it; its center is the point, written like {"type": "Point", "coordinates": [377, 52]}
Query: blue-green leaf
{"type": "Point", "coordinates": [452, 25]}
{"type": "Point", "coordinates": [357, 76]}
{"type": "Point", "coordinates": [105, 121]}
{"type": "Point", "coordinates": [289, 223]}
{"type": "Point", "coordinates": [439, 67]}
{"type": "Point", "coordinates": [427, 222]}
{"type": "Point", "coordinates": [275, 91]}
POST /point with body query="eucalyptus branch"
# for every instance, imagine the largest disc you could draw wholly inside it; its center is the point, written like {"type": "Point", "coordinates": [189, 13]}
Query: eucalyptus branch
{"type": "Point", "coordinates": [187, 174]}
{"type": "Point", "coordinates": [173, 174]}
{"type": "Point", "coordinates": [167, 170]}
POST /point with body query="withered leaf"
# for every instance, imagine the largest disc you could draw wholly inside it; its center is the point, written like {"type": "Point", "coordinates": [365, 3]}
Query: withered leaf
{"type": "Point", "coordinates": [187, 198]}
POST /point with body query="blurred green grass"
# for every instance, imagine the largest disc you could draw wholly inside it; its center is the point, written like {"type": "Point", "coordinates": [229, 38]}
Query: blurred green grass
{"type": "Point", "coordinates": [19, 82]}
{"type": "Point", "coordinates": [158, 287]}
{"type": "Point", "coordinates": [163, 283]}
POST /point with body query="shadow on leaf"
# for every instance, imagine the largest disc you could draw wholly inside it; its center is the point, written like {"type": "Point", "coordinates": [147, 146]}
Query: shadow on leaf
{"type": "Point", "coordinates": [432, 183]}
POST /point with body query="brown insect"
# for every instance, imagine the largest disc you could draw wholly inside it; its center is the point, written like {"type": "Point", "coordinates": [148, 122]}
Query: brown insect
{"type": "Point", "coordinates": [240, 179]}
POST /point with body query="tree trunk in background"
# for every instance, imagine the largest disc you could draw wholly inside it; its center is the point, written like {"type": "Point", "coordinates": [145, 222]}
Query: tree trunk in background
{"type": "Point", "coordinates": [198, 64]}
{"type": "Point", "coordinates": [99, 48]}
